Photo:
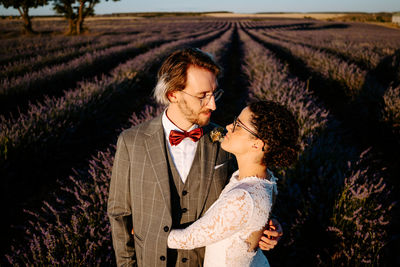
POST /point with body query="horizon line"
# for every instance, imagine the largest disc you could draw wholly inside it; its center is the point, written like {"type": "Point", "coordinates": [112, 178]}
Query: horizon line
{"type": "Point", "coordinates": [231, 12]}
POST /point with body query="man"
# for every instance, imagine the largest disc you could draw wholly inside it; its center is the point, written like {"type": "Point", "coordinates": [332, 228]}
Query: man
{"type": "Point", "coordinates": [167, 171]}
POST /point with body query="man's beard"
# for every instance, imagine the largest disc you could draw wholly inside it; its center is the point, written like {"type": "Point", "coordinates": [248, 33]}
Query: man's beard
{"type": "Point", "coordinates": [193, 116]}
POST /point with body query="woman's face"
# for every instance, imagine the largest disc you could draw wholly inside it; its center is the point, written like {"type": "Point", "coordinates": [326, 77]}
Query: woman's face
{"type": "Point", "coordinates": [239, 140]}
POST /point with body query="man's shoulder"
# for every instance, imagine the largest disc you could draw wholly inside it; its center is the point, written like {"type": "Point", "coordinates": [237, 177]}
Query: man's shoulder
{"type": "Point", "coordinates": [142, 130]}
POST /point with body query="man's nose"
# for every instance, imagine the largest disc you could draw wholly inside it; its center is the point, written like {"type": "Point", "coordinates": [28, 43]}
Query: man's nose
{"type": "Point", "coordinates": [211, 104]}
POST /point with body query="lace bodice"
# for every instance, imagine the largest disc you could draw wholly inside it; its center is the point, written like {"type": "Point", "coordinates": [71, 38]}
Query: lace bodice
{"type": "Point", "coordinates": [242, 208]}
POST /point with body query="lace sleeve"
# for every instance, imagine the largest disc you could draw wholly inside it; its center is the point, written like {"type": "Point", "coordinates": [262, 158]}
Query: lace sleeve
{"type": "Point", "coordinates": [228, 215]}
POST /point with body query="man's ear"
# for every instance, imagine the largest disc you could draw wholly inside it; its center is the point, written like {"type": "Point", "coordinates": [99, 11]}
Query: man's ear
{"type": "Point", "coordinates": [172, 96]}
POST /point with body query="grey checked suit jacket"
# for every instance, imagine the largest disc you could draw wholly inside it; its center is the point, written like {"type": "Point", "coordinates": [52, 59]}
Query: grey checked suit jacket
{"type": "Point", "coordinates": [139, 194]}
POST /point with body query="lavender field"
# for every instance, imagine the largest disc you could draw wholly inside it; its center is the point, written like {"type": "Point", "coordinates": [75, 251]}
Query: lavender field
{"type": "Point", "coordinates": [65, 99]}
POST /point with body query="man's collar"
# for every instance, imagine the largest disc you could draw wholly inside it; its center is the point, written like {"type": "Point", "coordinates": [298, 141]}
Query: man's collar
{"type": "Point", "coordinates": [169, 125]}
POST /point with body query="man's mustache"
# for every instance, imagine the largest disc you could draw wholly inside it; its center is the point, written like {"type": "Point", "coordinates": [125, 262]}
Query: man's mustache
{"type": "Point", "coordinates": [206, 111]}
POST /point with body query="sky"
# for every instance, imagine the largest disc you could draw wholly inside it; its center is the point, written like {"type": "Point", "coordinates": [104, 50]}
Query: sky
{"type": "Point", "coordinates": [236, 6]}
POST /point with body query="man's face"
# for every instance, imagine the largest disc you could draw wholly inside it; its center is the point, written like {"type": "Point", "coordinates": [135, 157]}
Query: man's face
{"type": "Point", "coordinates": [200, 83]}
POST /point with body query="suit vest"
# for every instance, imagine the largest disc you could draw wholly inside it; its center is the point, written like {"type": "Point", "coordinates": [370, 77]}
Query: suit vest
{"type": "Point", "coordinates": [184, 203]}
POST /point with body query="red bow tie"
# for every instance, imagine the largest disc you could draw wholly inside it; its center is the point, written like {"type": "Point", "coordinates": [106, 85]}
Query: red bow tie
{"type": "Point", "coordinates": [175, 137]}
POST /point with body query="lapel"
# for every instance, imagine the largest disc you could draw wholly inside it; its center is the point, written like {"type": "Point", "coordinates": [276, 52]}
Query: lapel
{"type": "Point", "coordinates": [155, 146]}
{"type": "Point", "coordinates": [207, 162]}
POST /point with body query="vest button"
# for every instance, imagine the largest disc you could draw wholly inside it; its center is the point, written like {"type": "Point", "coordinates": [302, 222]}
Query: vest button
{"type": "Point", "coordinates": [184, 192]}
{"type": "Point", "coordinates": [184, 210]}
{"type": "Point", "coordinates": [184, 260]}
{"type": "Point", "coordinates": [162, 258]}
{"type": "Point", "coordinates": [166, 228]}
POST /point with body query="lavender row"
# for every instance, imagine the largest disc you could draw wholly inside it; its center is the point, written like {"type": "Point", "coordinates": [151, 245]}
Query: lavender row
{"type": "Point", "coordinates": [379, 62]}
{"type": "Point", "coordinates": [9, 84]}
{"type": "Point", "coordinates": [130, 68]}
{"type": "Point", "coordinates": [349, 76]}
{"type": "Point", "coordinates": [366, 55]}
{"type": "Point", "coordinates": [12, 27]}
{"type": "Point", "coordinates": [309, 203]}
{"type": "Point", "coordinates": [86, 194]}
{"type": "Point", "coordinates": [34, 63]}
{"type": "Point", "coordinates": [270, 79]}
{"type": "Point", "coordinates": [310, 188]}
{"type": "Point", "coordinates": [218, 48]}
{"type": "Point", "coordinates": [355, 37]}
{"type": "Point", "coordinates": [390, 113]}
{"type": "Point", "coordinates": [358, 85]}
{"type": "Point", "coordinates": [52, 80]}
{"type": "Point", "coordinates": [361, 215]}
{"type": "Point", "coordinates": [18, 48]}
{"type": "Point", "coordinates": [346, 43]}
{"type": "Point", "coordinates": [22, 48]}
{"type": "Point", "coordinates": [61, 76]}
{"type": "Point", "coordinates": [100, 29]}
{"type": "Point", "coordinates": [76, 43]}
{"type": "Point", "coordinates": [51, 118]}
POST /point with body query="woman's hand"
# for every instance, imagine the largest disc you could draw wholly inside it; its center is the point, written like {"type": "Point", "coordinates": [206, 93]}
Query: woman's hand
{"type": "Point", "coordinates": [271, 235]}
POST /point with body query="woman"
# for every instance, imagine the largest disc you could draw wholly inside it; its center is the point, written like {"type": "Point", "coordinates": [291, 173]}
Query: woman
{"type": "Point", "coordinates": [264, 135]}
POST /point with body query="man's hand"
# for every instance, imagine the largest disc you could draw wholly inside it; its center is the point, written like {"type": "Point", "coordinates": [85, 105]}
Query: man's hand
{"type": "Point", "coordinates": [271, 235]}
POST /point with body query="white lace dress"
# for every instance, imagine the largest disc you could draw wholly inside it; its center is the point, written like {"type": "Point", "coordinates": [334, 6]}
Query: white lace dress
{"type": "Point", "coordinates": [242, 208]}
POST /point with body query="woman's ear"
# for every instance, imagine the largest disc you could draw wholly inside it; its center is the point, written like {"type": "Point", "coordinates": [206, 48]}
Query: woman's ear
{"type": "Point", "coordinates": [265, 146]}
{"type": "Point", "coordinates": [259, 145]}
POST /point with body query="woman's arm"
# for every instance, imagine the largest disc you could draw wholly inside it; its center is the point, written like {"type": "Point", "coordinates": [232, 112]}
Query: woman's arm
{"type": "Point", "coordinates": [227, 216]}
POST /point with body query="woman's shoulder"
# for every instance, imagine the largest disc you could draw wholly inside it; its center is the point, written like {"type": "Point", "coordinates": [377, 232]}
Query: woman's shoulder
{"type": "Point", "coordinates": [239, 194]}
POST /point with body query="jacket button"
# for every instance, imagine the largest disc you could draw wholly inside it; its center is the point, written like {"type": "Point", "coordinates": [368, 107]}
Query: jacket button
{"type": "Point", "coordinates": [184, 192]}
{"type": "Point", "coordinates": [166, 228]}
{"type": "Point", "coordinates": [184, 210]}
{"type": "Point", "coordinates": [184, 260]}
{"type": "Point", "coordinates": [162, 258]}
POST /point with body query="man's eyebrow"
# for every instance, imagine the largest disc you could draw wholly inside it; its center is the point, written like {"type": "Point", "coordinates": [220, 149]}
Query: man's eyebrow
{"type": "Point", "coordinates": [207, 91]}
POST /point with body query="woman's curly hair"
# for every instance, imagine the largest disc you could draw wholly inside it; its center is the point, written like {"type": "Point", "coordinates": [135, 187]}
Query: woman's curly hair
{"type": "Point", "coordinates": [278, 128]}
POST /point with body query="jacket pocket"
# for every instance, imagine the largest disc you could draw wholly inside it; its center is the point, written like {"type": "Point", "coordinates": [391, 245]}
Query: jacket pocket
{"type": "Point", "coordinates": [219, 165]}
{"type": "Point", "coordinates": [221, 169]}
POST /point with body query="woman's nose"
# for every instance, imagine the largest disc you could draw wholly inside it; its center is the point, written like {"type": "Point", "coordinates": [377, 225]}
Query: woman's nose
{"type": "Point", "coordinates": [229, 127]}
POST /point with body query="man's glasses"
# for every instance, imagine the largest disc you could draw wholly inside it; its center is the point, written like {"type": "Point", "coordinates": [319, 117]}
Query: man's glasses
{"type": "Point", "coordinates": [237, 122]}
{"type": "Point", "coordinates": [206, 99]}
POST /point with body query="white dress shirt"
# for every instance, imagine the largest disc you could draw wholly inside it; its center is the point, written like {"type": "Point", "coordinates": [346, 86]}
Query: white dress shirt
{"type": "Point", "coordinates": [182, 154]}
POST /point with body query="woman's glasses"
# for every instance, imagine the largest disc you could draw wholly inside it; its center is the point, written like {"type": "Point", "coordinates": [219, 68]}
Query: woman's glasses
{"type": "Point", "coordinates": [237, 122]}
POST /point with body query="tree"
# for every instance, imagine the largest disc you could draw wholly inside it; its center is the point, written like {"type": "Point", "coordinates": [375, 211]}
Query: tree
{"type": "Point", "coordinates": [23, 7]}
{"type": "Point", "coordinates": [75, 11]}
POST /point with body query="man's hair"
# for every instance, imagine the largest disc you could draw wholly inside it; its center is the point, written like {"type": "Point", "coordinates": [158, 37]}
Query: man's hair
{"type": "Point", "coordinates": [172, 75]}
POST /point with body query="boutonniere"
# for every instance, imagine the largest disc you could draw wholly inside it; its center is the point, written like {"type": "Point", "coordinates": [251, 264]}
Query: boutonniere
{"type": "Point", "coordinates": [217, 134]}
